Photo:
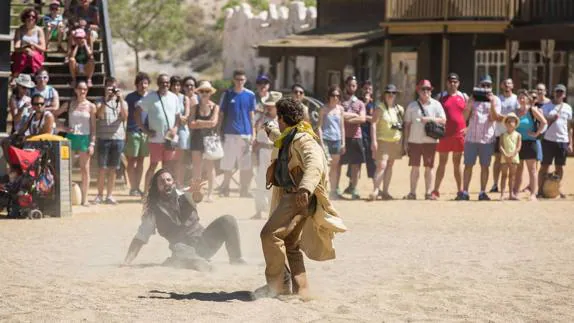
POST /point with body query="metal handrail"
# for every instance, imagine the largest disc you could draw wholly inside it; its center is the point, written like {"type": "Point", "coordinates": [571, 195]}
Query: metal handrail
{"type": "Point", "coordinates": [107, 39]}
{"type": "Point", "coordinates": [449, 9]}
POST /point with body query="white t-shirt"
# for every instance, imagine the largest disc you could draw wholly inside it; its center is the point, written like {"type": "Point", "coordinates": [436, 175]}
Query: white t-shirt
{"type": "Point", "coordinates": [558, 130]}
{"type": "Point", "coordinates": [413, 115]}
{"type": "Point", "coordinates": [507, 105]}
{"type": "Point", "coordinates": [156, 117]}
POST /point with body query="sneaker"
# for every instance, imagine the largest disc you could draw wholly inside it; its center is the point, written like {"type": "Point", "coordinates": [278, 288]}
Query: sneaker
{"type": "Point", "coordinates": [110, 201]}
{"type": "Point", "coordinates": [349, 190]}
{"type": "Point", "coordinates": [494, 189]}
{"type": "Point", "coordinates": [135, 192]}
{"type": "Point", "coordinates": [355, 195]}
{"type": "Point", "coordinates": [98, 200]}
{"type": "Point", "coordinates": [483, 197]}
{"type": "Point", "coordinates": [462, 196]}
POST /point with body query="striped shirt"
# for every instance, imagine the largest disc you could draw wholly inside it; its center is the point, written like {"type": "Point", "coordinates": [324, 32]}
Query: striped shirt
{"type": "Point", "coordinates": [481, 129]}
{"type": "Point", "coordinates": [110, 127]}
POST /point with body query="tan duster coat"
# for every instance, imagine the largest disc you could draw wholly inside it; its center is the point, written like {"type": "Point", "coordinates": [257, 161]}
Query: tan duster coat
{"type": "Point", "coordinates": [308, 169]}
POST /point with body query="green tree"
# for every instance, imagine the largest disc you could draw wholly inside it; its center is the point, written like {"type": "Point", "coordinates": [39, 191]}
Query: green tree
{"type": "Point", "coordinates": [256, 5]}
{"type": "Point", "coordinates": [148, 24]}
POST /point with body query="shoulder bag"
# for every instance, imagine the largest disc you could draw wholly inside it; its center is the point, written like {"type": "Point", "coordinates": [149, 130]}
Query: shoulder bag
{"type": "Point", "coordinates": [432, 129]}
{"type": "Point", "coordinates": [169, 143]}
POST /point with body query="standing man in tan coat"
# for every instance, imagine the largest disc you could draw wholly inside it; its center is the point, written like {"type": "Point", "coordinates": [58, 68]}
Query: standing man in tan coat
{"type": "Point", "coordinates": [302, 217]}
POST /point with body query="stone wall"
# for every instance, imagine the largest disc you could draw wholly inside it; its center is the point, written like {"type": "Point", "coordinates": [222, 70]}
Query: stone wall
{"type": "Point", "coordinates": [244, 30]}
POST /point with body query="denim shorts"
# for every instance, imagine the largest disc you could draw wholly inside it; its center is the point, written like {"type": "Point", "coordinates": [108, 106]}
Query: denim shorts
{"type": "Point", "coordinates": [473, 150]}
{"type": "Point", "coordinates": [110, 152]}
{"type": "Point", "coordinates": [333, 146]}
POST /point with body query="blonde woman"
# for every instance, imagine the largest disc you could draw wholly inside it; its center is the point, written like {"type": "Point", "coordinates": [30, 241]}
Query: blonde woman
{"type": "Point", "coordinates": [82, 132]}
{"type": "Point", "coordinates": [203, 122]}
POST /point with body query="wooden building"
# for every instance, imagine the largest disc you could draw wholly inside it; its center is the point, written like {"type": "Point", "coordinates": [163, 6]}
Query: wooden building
{"type": "Point", "coordinates": [529, 40]}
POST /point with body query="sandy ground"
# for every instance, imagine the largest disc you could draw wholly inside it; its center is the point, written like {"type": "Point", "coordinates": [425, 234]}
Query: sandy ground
{"type": "Point", "coordinates": [400, 261]}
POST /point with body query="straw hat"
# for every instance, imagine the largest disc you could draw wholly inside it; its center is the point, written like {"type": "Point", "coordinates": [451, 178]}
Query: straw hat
{"type": "Point", "coordinates": [511, 115]}
{"type": "Point", "coordinates": [272, 98]}
{"type": "Point", "coordinates": [205, 85]}
{"type": "Point", "coordinates": [25, 80]}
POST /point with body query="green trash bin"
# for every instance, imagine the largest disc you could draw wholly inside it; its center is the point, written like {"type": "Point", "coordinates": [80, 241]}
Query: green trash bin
{"type": "Point", "coordinates": [60, 203]}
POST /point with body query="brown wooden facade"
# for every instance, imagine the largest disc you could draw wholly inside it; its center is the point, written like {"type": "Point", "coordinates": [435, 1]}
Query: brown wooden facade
{"type": "Point", "coordinates": [469, 37]}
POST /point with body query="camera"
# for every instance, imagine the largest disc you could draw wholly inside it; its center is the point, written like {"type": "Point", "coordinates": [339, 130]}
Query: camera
{"type": "Point", "coordinates": [481, 95]}
{"type": "Point", "coordinates": [113, 89]}
{"type": "Point", "coordinates": [397, 126]}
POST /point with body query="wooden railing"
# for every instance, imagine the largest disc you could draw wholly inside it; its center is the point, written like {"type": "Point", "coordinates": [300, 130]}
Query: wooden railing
{"type": "Point", "coordinates": [408, 10]}
{"type": "Point", "coordinates": [107, 39]}
{"type": "Point", "coordinates": [544, 11]}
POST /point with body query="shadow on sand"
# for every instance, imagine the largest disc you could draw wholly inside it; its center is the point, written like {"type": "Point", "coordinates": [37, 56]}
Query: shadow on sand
{"type": "Point", "coordinates": [244, 296]}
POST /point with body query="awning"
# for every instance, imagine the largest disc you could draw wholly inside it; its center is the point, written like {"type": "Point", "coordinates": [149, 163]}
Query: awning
{"type": "Point", "coordinates": [323, 41]}
{"type": "Point", "coordinates": [561, 32]}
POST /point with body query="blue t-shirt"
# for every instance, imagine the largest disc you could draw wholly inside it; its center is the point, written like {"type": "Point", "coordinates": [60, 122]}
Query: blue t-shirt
{"type": "Point", "coordinates": [131, 100]}
{"type": "Point", "coordinates": [237, 108]}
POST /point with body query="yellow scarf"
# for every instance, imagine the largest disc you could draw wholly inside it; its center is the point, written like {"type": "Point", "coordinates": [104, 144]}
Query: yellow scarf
{"type": "Point", "coordinates": [302, 126]}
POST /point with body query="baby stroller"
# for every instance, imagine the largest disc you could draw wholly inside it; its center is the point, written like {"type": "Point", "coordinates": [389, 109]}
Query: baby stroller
{"type": "Point", "coordinates": [30, 179]}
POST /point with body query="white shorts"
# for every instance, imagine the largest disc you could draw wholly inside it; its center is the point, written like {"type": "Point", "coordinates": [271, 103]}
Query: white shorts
{"type": "Point", "coordinates": [236, 148]}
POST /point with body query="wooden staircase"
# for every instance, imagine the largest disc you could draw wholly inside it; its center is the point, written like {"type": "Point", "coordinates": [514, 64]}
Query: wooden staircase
{"type": "Point", "coordinates": [55, 61]}
{"type": "Point", "coordinates": [59, 72]}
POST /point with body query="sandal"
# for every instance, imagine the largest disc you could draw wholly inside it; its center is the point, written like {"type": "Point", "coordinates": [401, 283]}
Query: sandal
{"type": "Point", "coordinates": [410, 197]}
{"type": "Point", "coordinates": [373, 196]}
{"type": "Point", "coordinates": [386, 196]}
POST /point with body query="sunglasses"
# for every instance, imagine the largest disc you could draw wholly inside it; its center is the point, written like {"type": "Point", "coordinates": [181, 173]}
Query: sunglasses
{"type": "Point", "coordinates": [38, 104]}
{"type": "Point", "coordinates": [559, 91]}
{"type": "Point", "coordinates": [54, 7]}
{"type": "Point", "coordinates": [453, 81]}
{"type": "Point", "coordinates": [204, 92]}
{"type": "Point", "coordinates": [394, 93]}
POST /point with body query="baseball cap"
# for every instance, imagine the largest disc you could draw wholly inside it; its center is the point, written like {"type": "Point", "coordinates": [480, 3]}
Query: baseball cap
{"type": "Point", "coordinates": [560, 87]}
{"type": "Point", "coordinates": [54, 3]}
{"type": "Point", "coordinates": [391, 88]}
{"type": "Point", "coordinates": [486, 79]}
{"type": "Point", "coordinates": [262, 79]}
{"type": "Point", "coordinates": [424, 84]}
{"type": "Point", "coordinates": [452, 76]}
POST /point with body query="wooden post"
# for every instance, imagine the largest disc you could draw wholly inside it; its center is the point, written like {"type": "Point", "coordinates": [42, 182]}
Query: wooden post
{"type": "Point", "coordinates": [509, 63]}
{"type": "Point", "coordinates": [386, 62]}
{"type": "Point", "coordinates": [445, 56]}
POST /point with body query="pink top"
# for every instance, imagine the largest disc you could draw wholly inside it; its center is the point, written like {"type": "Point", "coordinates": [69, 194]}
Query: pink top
{"type": "Point", "coordinates": [481, 129]}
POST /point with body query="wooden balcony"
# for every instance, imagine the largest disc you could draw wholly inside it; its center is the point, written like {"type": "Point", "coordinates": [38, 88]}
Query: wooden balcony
{"type": "Point", "coordinates": [544, 11]}
{"type": "Point", "coordinates": [445, 10]}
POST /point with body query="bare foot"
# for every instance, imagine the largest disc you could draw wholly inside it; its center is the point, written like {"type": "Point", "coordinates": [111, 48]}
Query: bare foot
{"type": "Point", "coordinates": [502, 198]}
{"type": "Point", "coordinates": [533, 198]}
{"type": "Point", "coordinates": [513, 197]}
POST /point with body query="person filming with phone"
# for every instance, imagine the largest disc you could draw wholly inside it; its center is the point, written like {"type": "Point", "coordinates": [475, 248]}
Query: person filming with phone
{"type": "Point", "coordinates": [112, 112]}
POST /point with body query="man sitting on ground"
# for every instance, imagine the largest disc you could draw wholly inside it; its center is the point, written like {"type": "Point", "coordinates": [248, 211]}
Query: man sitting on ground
{"type": "Point", "coordinates": [174, 215]}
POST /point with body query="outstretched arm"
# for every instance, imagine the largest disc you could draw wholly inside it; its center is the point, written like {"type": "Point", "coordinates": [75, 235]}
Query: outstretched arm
{"type": "Point", "coordinates": [133, 250]}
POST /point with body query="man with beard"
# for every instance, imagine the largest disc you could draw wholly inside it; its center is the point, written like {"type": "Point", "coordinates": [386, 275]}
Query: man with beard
{"type": "Point", "coordinates": [173, 215]}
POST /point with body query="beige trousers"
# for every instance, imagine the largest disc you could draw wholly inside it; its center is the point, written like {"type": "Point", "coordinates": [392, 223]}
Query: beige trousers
{"type": "Point", "coordinates": [280, 239]}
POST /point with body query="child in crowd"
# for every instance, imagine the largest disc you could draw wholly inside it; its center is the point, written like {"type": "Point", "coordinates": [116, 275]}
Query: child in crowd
{"type": "Point", "coordinates": [510, 144]}
{"type": "Point", "coordinates": [80, 57]}
{"type": "Point", "coordinates": [54, 25]}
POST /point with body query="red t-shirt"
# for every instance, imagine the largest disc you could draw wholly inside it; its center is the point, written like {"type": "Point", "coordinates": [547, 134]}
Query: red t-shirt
{"type": "Point", "coordinates": [453, 106]}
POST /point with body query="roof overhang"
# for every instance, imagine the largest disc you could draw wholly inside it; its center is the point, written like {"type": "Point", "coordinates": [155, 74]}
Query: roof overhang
{"type": "Point", "coordinates": [323, 41]}
{"type": "Point", "coordinates": [442, 26]}
{"type": "Point", "coordinates": [564, 32]}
